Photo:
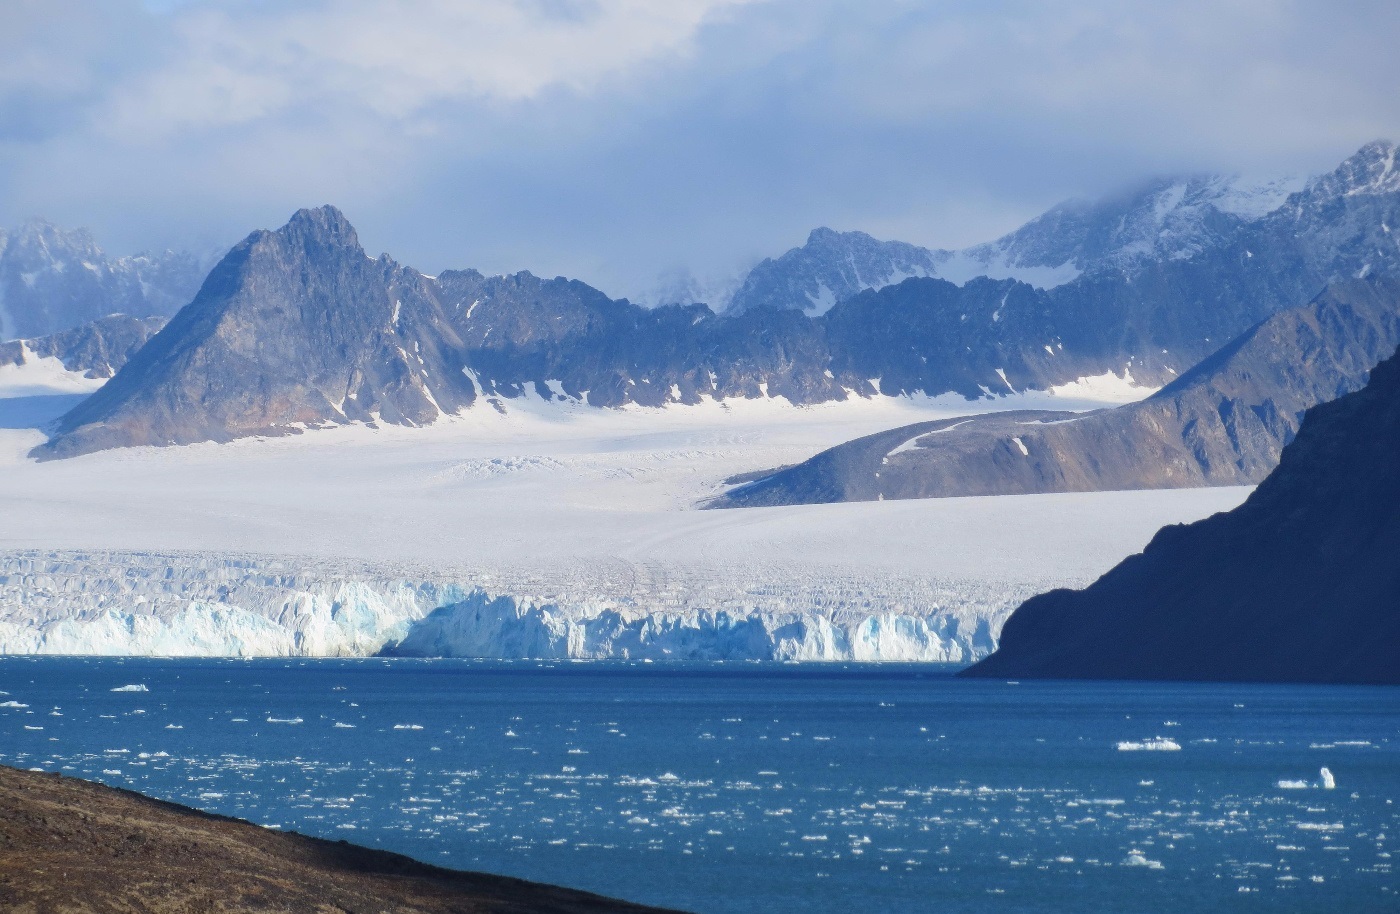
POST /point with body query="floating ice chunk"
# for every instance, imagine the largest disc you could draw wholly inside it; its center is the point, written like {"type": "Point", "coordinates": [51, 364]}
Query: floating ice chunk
{"type": "Point", "coordinates": [340, 726]}
{"type": "Point", "coordinates": [284, 720]}
{"type": "Point", "coordinates": [134, 687]}
{"type": "Point", "coordinates": [1156, 744]}
{"type": "Point", "coordinates": [1138, 858]}
{"type": "Point", "coordinates": [1328, 782]}
{"type": "Point", "coordinates": [12, 704]}
{"type": "Point", "coordinates": [1293, 785]}
{"type": "Point", "coordinates": [408, 727]}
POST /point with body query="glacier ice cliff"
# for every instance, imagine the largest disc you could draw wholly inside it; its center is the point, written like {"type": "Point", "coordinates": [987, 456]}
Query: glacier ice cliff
{"type": "Point", "coordinates": [202, 604]}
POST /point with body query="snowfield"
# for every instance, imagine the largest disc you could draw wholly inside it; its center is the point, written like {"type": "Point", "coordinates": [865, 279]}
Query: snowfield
{"type": "Point", "coordinates": [554, 530]}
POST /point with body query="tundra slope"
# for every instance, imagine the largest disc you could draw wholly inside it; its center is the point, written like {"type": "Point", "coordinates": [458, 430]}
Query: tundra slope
{"type": "Point", "coordinates": [1224, 422]}
{"type": "Point", "coordinates": [1298, 584]}
{"type": "Point", "coordinates": [85, 848]}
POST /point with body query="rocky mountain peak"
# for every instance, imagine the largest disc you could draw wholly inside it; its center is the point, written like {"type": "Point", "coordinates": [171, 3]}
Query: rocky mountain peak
{"type": "Point", "coordinates": [320, 227]}
{"type": "Point", "coordinates": [1370, 170]}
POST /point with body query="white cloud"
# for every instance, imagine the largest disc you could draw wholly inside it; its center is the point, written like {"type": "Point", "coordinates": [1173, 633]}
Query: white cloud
{"type": "Point", "coordinates": [396, 58]}
{"type": "Point", "coordinates": [616, 139]}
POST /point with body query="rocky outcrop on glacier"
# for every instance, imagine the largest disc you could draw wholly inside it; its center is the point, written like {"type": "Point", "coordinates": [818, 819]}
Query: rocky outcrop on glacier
{"type": "Point", "coordinates": [53, 280]}
{"type": "Point", "coordinates": [256, 606]}
{"type": "Point", "coordinates": [94, 350]}
{"type": "Point", "coordinates": [1298, 584]}
{"type": "Point", "coordinates": [1225, 422]}
{"type": "Point", "coordinates": [297, 328]}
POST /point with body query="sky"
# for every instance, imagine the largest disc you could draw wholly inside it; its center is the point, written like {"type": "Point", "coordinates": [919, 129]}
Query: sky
{"type": "Point", "coordinates": [650, 145]}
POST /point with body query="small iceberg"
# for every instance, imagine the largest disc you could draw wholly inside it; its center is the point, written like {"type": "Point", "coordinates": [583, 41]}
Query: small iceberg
{"type": "Point", "coordinates": [135, 687]}
{"type": "Point", "coordinates": [1156, 744]}
{"type": "Point", "coordinates": [284, 720]}
{"type": "Point", "coordinates": [1325, 781]}
{"type": "Point", "coordinates": [12, 704]}
{"type": "Point", "coordinates": [1138, 858]}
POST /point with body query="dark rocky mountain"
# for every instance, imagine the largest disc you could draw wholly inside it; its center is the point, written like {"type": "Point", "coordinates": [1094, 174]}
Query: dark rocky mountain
{"type": "Point", "coordinates": [293, 328]}
{"type": "Point", "coordinates": [265, 349]}
{"type": "Point", "coordinates": [95, 349]}
{"type": "Point", "coordinates": [52, 280]}
{"type": "Point", "coordinates": [1224, 422]}
{"type": "Point", "coordinates": [85, 848]}
{"type": "Point", "coordinates": [1301, 583]}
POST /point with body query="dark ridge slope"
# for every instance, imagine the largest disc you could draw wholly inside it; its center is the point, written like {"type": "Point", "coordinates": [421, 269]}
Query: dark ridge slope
{"type": "Point", "coordinates": [82, 848]}
{"type": "Point", "coordinates": [1225, 422]}
{"type": "Point", "coordinates": [97, 349]}
{"type": "Point", "coordinates": [1301, 583]}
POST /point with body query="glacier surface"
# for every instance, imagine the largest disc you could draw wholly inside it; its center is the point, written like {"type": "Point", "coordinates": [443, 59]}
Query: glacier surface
{"type": "Point", "coordinates": [553, 530]}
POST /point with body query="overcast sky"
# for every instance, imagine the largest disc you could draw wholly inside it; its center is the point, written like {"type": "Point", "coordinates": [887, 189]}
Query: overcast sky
{"type": "Point", "coordinates": [619, 141]}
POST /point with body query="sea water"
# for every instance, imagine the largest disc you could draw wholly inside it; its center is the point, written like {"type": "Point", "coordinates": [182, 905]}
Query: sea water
{"type": "Point", "coordinates": [760, 788]}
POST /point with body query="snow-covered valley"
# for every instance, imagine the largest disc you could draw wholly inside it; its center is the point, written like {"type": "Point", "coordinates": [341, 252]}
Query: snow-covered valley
{"type": "Point", "coordinates": [552, 530]}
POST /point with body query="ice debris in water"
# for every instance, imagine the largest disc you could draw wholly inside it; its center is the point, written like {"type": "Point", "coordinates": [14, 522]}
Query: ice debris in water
{"type": "Point", "coordinates": [1156, 744]}
{"type": "Point", "coordinates": [1328, 782]}
{"type": "Point", "coordinates": [135, 687]}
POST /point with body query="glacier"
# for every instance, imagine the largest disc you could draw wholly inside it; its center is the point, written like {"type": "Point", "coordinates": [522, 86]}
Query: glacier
{"type": "Point", "coordinates": [148, 604]}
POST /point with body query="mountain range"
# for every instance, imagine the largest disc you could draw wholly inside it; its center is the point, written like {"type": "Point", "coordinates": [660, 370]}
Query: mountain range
{"type": "Point", "coordinates": [1162, 219]}
{"type": "Point", "coordinates": [1298, 584]}
{"type": "Point", "coordinates": [1224, 422]}
{"type": "Point", "coordinates": [300, 327]}
{"type": "Point", "coordinates": [53, 280]}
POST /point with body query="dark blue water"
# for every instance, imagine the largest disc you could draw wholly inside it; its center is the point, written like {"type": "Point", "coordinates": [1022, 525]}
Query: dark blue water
{"type": "Point", "coordinates": [762, 788]}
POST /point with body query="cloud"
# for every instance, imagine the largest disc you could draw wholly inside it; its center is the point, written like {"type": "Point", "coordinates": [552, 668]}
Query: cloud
{"type": "Point", "coordinates": [394, 58]}
{"type": "Point", "coordinates": [619, 140]}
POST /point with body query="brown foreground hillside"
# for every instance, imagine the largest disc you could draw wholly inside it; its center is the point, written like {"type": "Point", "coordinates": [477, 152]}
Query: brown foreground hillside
{"type": "Point", "coordinates": [74, 847]}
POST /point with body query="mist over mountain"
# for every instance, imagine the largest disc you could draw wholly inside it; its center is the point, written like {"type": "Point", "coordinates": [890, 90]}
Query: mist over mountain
{"type": "Point", "coordinates": [53, 280]}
